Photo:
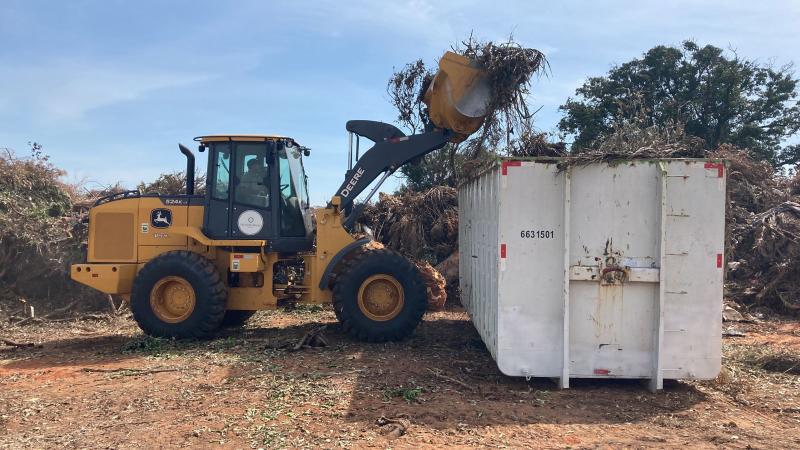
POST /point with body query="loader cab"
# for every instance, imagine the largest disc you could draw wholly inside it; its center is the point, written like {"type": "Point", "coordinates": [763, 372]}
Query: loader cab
{"type": "Point", "coordinates": [256, 188]}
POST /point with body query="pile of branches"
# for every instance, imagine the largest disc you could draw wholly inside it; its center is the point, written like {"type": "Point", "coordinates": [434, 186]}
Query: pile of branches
{"type": "Point", "coordinates": [654, 142]}
{"type": "Point", "coordinates": [422, 226]}
{"type": "Point", "coordinates": [763, 220]}
{"type": "Point", "coordinates": [41, 235]}
{"type": "Point", "coordinates": [532, 144]}
{"type": "Point", "coordinates": [634, 137]}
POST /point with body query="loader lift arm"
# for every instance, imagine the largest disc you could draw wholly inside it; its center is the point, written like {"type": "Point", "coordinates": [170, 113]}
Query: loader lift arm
{"type": "Point", "coordinates": [391, 151]}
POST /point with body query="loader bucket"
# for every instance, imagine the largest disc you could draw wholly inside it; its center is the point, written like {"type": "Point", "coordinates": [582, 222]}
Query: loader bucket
{"type": "Point", "coordinates": [458, 97]}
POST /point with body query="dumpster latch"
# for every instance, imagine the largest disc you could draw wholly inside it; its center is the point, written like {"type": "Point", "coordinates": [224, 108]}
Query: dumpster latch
{"type": "Point", "coordinates": [612, 273]}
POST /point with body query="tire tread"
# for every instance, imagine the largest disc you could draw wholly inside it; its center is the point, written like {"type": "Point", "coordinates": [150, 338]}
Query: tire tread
{"type": "Point", "coordinates": [347, 312]}
{"type": "Point", "coordinates": [214, 300]}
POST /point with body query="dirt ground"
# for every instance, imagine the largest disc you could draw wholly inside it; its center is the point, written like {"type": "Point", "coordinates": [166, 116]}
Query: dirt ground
{"type": "Point", "coordinates": [101, 384]}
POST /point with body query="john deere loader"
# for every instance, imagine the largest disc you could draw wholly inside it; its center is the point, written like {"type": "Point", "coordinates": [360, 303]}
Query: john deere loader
{"type": "Point", "coordinates": [190, 264]}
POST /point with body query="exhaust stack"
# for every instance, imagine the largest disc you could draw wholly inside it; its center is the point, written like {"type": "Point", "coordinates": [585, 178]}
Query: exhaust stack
{"type": "Point", "coordinates": [189, 169]}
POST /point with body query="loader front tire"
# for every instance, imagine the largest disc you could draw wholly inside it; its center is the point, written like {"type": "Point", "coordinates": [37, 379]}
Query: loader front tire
{"type": "Point", "coordinates": [179, 294]}
{"type": "Point", "coordinates": [379, 296]}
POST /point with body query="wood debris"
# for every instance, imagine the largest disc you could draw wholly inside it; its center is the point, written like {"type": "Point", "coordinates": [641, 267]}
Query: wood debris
{"type": "Point", "coordinates": [393, 427]}
{"type": "Point", "coordinates": [312, 339]}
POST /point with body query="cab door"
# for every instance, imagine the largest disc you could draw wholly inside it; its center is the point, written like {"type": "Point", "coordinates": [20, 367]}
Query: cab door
{"type": "Point", "coordinates": [216, 220]}
{"type": "Point", "coordinates": [251, 204]}
{"type": "Point", "coordinates": [239, 188]}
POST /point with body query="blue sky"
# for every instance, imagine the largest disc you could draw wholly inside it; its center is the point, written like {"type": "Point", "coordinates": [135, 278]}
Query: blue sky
{"type": "Point", "coordinates": [110, 87]}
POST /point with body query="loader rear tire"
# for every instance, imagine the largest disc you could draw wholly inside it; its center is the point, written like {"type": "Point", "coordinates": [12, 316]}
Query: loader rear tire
{"type": "Point", "coordinates": [236, 318]}
{"type": "Point", "coordinates": [179, 294]}
{"type": "Point", "coordinates": [379, 296]}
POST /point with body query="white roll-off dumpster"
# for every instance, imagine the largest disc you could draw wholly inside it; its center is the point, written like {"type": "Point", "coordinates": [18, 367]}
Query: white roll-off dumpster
{"type": "Point", "coordinates": [601, 270]}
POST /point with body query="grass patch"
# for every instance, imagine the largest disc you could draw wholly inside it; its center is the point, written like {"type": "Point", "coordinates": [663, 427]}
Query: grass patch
{"type": "Point", "coordinates": [147, 345]}
{"type": "Point", "coordinates": [410, 395]}
{"type": "Point", "coordinates": [226, 343]}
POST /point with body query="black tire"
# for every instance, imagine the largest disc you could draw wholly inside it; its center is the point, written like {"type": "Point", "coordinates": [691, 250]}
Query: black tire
{"type": "Point", "coordinates": [356, 271]}
{"type": "Point", "coordinates": [209, 291]}
{"type": "Point", "coordinates": [236, 318]}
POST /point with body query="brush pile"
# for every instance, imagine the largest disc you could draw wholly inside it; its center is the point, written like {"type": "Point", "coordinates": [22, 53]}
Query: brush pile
{"type": "Point", "coordinates": [763, 220]}
{"type": "Point", "coordinates": [422, 226]}
{"type": "Point", "coordinates": [40, 236]}
{"type": "Point", "coordinates": [633, 140]}
{"type": "Point", "coordinates": [508, 126]}
{"type": "Point", "coordinates": [531, 144]}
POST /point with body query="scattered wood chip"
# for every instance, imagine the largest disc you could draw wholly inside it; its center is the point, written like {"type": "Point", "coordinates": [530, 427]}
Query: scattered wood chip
{"type": "Point", "coordinates": [393, 427]}
{"type": "Point", "coordinates": [11, 343]}
{"type": "Point", "coordinates": [95, 317]}
{"type": "Point", "coordinates": [732, 332]}
{"type": "Point", "coordinates": [438, 374]}
{"type": "Point", "coordinates": [28, 320]}
{"type": "Point", "coordinates": [58, 311]}
{"type": "Point", "coordinates": [312, 339]}
{"type": "Point", "coordinates": [127, 371]}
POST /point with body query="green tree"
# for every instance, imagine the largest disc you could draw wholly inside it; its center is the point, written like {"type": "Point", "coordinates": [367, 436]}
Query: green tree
{"type": "Point", "coordinates": [718, 97]}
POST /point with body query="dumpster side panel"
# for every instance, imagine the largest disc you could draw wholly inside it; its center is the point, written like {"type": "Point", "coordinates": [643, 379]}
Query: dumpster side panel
{"type": "Point", "coordinates": [478, 249]}
{"type": "Point", "coordinates": [530, 335]}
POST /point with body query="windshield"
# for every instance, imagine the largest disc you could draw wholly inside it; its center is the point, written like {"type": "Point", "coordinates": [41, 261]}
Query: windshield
{"type": "Point", "coordinates": [293, 194]}
{"type": "Point", "coordinates": [294, 182]}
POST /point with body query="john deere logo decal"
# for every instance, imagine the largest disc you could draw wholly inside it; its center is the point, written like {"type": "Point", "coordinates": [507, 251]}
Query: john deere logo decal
{"type": "Point", "coordinates": [161, 218]}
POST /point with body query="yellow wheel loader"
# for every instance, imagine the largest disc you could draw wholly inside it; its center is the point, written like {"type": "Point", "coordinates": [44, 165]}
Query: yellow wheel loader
{"type": "Point", "coordinates": [190, 264]}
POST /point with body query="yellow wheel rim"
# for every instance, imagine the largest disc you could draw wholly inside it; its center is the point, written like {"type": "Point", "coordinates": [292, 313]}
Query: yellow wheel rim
{"type": "Point", "coordinates": [172, 299]}
{"type": "Point", "coordinates": [380, 297]}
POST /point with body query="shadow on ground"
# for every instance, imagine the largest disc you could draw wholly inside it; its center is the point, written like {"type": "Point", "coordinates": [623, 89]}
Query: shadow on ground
{"type": "Point", "coordinates": [454, 381]}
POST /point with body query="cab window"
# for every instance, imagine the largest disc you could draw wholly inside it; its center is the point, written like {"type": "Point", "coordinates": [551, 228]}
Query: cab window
{"type": "Point", "coordinates": [252, 175]}
{"type": "Point", "coordinates": [292, 194]}
{"type": "Point", "coordinates": [222, 173]}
